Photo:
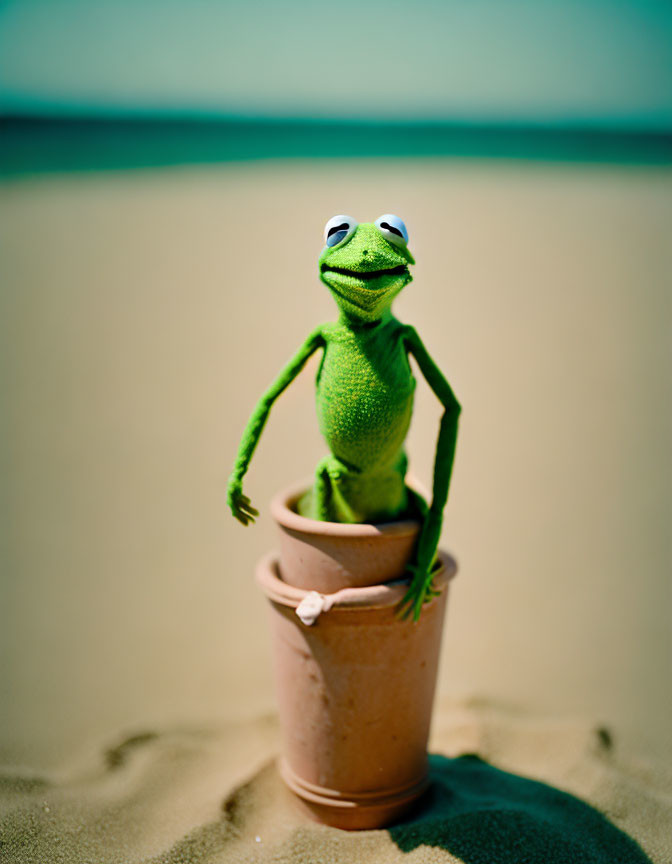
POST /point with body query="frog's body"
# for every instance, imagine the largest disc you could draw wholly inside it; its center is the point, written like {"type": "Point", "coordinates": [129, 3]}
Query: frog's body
{"type": "Point", "coordinates": [365, 397]}
{"type": "Point", "coordinates": [364, 405]}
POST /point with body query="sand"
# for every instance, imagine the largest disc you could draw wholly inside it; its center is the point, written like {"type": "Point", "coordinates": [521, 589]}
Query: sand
{"type": "Point", "coordinates": [141, 315]}
{"type": "Point", "coordinates": [189, 796]}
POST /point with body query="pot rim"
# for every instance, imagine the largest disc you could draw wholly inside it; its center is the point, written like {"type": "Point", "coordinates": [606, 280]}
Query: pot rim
{"type": "Point", "coordinates": [368, 597]}
{"type": "Point", "coordinates": [286, 517]}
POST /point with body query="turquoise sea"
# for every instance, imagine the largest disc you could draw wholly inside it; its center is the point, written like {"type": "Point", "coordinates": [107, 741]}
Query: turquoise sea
{"type": "Point", "coordinates": [31, 145]}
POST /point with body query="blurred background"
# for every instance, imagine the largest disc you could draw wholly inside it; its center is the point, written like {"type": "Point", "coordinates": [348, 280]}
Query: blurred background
{"type": "Point", "coordinates": [166, 169]}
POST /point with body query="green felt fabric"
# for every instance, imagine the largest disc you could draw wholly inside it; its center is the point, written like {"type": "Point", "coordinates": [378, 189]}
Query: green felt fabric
{"type": "Point", "coordinates": [364, 400]}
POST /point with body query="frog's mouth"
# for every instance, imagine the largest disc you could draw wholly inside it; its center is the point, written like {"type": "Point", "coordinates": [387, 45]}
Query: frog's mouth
{"type": "Point", "coordinates": [366, 292]}
{"type": "Point", "coordinates": [365, 275]}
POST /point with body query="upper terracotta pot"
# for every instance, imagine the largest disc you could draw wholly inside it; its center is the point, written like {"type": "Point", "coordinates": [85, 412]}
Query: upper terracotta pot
{"type": "Point", "coordinates": [330, 556]}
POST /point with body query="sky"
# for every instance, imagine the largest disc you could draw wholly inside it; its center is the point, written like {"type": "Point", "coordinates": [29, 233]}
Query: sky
{"type": "Point", "coordinates": [596, 61]}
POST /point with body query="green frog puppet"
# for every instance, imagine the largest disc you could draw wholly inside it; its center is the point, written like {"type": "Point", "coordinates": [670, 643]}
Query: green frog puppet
{"type": "Point", "coordinates": [365, 398]}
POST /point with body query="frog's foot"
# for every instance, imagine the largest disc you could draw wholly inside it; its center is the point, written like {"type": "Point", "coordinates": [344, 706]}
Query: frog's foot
{"type": "Point", "coordinates": [240, 504]}
{"type": "Point", "coordinates": [421, 591]}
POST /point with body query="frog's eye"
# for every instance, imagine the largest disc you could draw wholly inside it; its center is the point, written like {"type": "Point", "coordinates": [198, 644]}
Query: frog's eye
{"type": "Point", "coordinates": [339, 229]}
{"type": "Point", "coordinates": [392, 229]}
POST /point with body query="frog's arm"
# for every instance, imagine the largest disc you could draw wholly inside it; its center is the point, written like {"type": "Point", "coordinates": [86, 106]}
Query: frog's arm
{"type": "Point", "coordinates": [421, 589]}
{"type": "Point", "coordinates": [239, 503]}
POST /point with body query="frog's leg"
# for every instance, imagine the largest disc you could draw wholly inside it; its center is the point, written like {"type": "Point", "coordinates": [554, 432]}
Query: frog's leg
{"type": "Point", "coordinates": [328, 500]}
{"type": "Point", "coordinates": [344, 493]}
{"type": "Point", "coordinates": [326, 476]}
{"type": "Point", "coordinates": [318, 502]}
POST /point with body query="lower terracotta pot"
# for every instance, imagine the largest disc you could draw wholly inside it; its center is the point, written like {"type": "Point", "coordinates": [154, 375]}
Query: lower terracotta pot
{"type": "Point", "coordinates": [355, 693]}
{"type": "Point", "coordinates": [328, 556]}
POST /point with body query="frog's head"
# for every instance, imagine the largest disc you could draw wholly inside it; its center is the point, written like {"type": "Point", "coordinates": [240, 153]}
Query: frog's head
{"type": "Point", "coordinates": [365, 266]}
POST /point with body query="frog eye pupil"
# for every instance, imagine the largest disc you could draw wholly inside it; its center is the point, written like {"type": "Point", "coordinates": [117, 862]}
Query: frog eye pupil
{"type": "Point", "coordinates": [335, 228]}
{"type": "Point", "coordinates": [336, 233]}
{"type": "Point", "coordinates": [391, 228]}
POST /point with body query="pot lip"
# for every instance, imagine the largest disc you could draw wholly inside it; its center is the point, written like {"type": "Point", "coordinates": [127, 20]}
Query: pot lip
{"type": "Point", "coordinates": [368, 597]}
{"type": "Point", "coordinates": [287, 518]}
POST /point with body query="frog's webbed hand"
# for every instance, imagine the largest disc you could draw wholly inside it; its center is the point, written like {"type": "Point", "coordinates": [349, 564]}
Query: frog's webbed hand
{"type": "Point", "coordinates": [239, 503]}
{"type": "Point", "coordinates": [421, 590]}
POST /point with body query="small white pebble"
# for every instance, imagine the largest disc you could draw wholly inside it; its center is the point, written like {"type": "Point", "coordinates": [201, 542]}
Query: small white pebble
{"type": "Point", "coordinates": [258, 839]}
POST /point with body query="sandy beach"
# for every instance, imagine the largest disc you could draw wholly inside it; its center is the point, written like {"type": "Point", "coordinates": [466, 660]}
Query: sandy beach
{"type": "Point", "coordinates": [213, 794]}
{"type": "Point", "coordinates": [143, 313]}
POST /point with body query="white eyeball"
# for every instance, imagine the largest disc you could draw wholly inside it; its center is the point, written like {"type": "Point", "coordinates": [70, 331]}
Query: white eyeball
{"type": "Point", "coordinates": [339, 229]}
{"type": "Point", "coordinates": [392, 229]}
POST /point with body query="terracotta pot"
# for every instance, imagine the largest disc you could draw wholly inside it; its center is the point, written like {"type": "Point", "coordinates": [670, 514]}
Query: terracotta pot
{"type": "Point", "coordinates": [355, 693]}
{"type": "Point", "coordinates": [329, 556]}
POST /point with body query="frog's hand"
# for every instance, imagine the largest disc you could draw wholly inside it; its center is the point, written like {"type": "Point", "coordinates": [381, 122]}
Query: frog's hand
{"type": "Point", "coordinates": [422, 570]}
{"type": "Point", "coordinates": [239, 503]}
{"type": "Point", "coordinates": [445, 447]}
{"type": "Point", "coordinates": [421, 591]}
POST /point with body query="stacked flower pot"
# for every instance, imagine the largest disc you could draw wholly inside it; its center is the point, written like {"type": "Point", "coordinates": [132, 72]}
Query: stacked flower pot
{"type": "Point", "coordinates": [355, 682]}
